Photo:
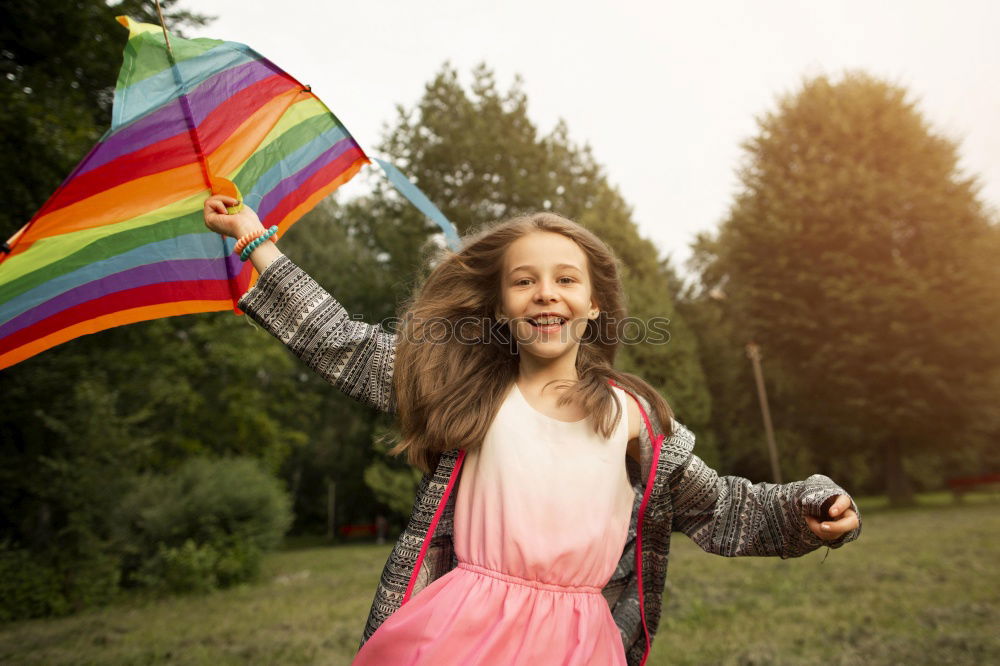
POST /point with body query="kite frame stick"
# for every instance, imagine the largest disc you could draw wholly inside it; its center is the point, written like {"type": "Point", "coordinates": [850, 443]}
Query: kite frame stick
{"type": "Point", "coordinates": [163, 25]}
{"type": "Point", "coordinates": [193, 133]}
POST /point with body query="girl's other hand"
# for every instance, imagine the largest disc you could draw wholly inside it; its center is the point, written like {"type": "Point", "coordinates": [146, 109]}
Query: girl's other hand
{"type": "Point", "coordinates": [216, 218]}
{"type": "Point", "coordinates": [843, 519]}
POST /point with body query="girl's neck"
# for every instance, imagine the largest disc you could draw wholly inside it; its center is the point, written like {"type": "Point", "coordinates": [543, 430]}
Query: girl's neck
{"type": "Point", "coordinates": [536, 373]}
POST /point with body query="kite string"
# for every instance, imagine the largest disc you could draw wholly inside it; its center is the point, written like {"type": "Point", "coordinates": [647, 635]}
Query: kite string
{"type": "Point", "coordinates": [166, 38]}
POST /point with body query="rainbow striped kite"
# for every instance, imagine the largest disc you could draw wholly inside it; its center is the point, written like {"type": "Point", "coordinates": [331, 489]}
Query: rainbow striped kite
{"type": "Point", "coordinates": [123, 238]}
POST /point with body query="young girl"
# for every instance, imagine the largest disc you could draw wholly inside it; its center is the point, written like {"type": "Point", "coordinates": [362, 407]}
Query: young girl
{"type": "Point", "coordinates": [541, 528]}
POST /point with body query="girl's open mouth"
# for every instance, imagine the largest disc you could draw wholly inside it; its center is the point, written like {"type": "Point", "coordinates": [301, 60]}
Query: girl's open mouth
{"type": "Point", "coordinates": [549, 325]}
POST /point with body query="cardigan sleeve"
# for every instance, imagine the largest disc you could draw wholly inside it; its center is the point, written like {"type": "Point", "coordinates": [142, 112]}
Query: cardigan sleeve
{"type": "Point", "coordinates": [354, 356]}
{"type": "Point", "coordinates": [730, 516]}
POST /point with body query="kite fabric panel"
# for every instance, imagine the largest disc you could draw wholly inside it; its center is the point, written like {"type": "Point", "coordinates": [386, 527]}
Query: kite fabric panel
{"type": "Point", "coordinates": [123, 239]}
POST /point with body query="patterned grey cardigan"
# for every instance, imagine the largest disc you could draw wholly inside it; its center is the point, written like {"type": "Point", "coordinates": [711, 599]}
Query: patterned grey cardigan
{"type": "Point", "coordinates": [674, 489]}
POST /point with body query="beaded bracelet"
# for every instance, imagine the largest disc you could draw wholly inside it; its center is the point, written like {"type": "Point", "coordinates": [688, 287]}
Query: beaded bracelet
{"type": "Point", "coordinates": [255, 243]}
{"type": "Point", "coordinates": [245, 240]}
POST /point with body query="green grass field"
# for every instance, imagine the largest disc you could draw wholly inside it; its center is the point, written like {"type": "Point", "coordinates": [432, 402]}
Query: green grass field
{"type": "Point", "coordinates": [919, 587]}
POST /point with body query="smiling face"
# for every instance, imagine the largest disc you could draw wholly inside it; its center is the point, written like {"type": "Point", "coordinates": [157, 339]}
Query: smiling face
{"type": "Point", "coordinates": [546, 273]}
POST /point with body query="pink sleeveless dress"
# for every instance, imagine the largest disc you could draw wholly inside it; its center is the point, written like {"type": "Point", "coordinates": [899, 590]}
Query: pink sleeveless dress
{"type": "Point", "coordinates": [541, 519]}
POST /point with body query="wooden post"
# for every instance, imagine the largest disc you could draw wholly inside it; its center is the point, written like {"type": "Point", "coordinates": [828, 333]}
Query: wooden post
{"type": "Point", "coordinates": [753, 353]}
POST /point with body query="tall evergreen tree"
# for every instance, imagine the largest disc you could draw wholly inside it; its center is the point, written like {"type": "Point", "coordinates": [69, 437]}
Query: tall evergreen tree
{"type": "Point", "coordinates": [862, 260]}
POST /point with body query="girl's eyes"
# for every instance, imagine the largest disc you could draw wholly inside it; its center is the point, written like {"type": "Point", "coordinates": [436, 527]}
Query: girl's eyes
{"type": "Point", "coordinates": [523, 280]}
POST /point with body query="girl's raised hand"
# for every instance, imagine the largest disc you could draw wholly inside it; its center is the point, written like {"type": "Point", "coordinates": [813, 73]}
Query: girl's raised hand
{"type": "Point", "coordinates": [843, 520]}
{"type": "Point", "coordinates": [216, 218]}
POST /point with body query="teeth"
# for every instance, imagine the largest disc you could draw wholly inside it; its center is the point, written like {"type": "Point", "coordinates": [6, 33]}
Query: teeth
{"type": "Point", "coordinates": [548, 320]}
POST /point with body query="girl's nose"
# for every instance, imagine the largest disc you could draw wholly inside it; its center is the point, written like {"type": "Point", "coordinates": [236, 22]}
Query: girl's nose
{"type": "Point", "coordinates": [545, 292]}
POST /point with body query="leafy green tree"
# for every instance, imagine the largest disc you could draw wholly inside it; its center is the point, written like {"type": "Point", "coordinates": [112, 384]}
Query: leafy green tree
{"type": "Point", "coordinates": [393, 482]}
{"type": "Point", "coordinates": [862, 261]}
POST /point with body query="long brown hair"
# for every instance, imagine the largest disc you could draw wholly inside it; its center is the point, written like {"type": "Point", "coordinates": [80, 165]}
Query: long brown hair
{"type": "Point", "coordinates": [455, 360]}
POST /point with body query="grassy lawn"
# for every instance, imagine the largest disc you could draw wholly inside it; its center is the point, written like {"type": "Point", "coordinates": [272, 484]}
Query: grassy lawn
{"type": "Point", "coordinates": [919, 587]}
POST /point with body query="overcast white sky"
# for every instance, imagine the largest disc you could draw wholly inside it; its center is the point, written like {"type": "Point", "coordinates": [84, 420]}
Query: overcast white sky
{"type": "Point", "coordinates": [664, 92]}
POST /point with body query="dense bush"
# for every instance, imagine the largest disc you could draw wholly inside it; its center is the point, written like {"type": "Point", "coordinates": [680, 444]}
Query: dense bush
{"type": "Point", "coordinates": [202, 526]}
{"type": "Point", "coordinates": [38, 586]}
{"type": "Point", "coordinates": [28, 589]}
